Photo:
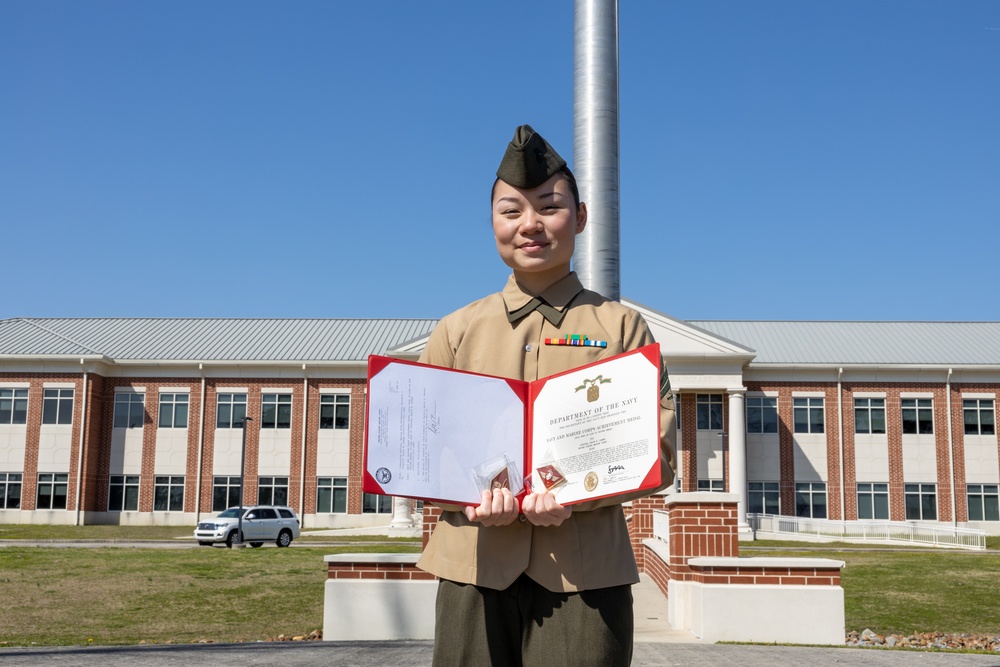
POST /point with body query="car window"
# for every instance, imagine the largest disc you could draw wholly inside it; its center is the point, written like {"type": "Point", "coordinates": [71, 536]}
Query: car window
{"type": "Point", "coordinates": [286, 514]}
{"type": "Point", "coordinates": [267, 513]}
{"type": "Point", "coordinates": [251, 515]}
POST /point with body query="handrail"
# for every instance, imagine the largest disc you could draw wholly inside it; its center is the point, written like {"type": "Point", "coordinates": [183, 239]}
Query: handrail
{"type": "Point", "coordinates": [903, 532]}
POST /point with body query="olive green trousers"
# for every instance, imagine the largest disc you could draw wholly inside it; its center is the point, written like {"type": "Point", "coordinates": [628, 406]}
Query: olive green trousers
{"type": "Point", "coordinates": [527, 625]}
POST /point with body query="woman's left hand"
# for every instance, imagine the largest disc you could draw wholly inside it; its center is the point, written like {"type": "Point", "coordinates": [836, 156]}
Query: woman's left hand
{"type": "Point", "coordinates": [542, 509]}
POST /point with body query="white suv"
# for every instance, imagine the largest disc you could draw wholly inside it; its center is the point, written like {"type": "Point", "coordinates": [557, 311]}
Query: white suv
{"type": "Point", "coordinates": [261, 523]}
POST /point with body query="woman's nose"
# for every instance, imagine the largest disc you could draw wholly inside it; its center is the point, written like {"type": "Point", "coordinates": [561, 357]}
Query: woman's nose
{"type": "Point", "coordinates": [532, 222]}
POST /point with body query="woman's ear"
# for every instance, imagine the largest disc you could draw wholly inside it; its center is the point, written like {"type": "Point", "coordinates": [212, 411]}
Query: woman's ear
{"type": "Point", "coordinates": [581, 217]}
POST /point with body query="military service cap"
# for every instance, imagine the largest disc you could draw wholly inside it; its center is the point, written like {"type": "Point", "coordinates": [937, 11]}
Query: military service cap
{"type": "Point", "coordinates": [529, 160]}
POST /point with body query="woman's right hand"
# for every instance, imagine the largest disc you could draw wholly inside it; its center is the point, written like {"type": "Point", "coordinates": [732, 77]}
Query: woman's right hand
{"type": "Point", "coordinates": [499, 508]}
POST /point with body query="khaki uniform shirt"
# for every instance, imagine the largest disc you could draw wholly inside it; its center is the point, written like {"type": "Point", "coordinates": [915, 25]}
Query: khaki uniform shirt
{"type": "Point", "coordinates": [590, 549]}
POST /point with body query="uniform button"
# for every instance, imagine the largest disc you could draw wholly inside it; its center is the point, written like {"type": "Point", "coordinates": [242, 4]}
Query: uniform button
{"type": "Point", "coordinates": [527, 348]}
{"type": "Point", "coordinates": [522, 518]}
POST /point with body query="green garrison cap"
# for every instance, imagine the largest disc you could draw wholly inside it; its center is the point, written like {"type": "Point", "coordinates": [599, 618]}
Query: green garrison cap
{"type": "Point", "coordinates": [529, 160]}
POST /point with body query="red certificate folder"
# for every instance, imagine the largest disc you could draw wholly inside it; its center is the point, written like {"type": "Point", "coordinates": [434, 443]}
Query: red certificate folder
{"type": "Point", "coordinates": [443, 435]}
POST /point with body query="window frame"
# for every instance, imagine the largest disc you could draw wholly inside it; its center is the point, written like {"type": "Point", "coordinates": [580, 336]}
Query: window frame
{"type": "Point", "coordinates": [15, 396]}
{"type": "Point", "coordinates": [979, 410]}
{"type": "Point", "coordinates": [925, 494]}
{"type": "Point", "coordinates": [168, 493]}
{"type": "Point", "coordinates": [710, 406]}
{"type": "Point", "coordinates": [333, 403]}
{"type": "Point", "coordinates": [769, 494]}
{"type": "Point", "coordinates": [270, 489]}
{"type": "Point", "coordinates": [760, 410]}
{"type": "Point", "coordinates": [57, 405]}
{"type": "Point", "coordinates": [276, 411]}
{"type": "Point", "coordinates": [8, 482]}
{"type": "Point", "coordinates": [383, 504]}
{"type": "Point", "coordinates": [863, 405]}
{"type": "Point", "coordinates": [922, 410]}
{"type": "Point", "coordinates": [129, 410]}
{"type": "Point", "coordinates": [231, 401]}
{"type": "Point", "coordinates": [814, 491]}
{"type": "Point", "coordinates": [123, 493]}
{"type": "Point", "coordinates": [330, 490]}
{"type": "Point", "coordinates": [869, 497]}
{"type": "Point", "coordinates": [811, 406]}
{"type": "Point", "coordinates": [55, 481]}
{"type": "Point", "coordinates": [982, 493]}
{"type": "Point", "coordinates": [231, 489]}
{"type": "Point", "coordinates": [171, 404]}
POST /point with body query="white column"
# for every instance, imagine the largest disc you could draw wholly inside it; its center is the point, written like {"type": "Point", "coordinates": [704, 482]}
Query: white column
{"type": "Point", "coordinates": [738, 454]}
{"type": "Point", "coordinates": [401, 516]}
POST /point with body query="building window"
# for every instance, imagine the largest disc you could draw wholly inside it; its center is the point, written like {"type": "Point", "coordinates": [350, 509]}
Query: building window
{"type": "Point", "coordinates": [226, 492]}
{"type": "Point", "coordinates": [869, 415]}
{"type": "Point", "coordinates": [711, 485]}
{"type": "Point", "coordinates": [231, 411]}
{"type": "Point", "coordinates": [168, 493]}
{"type": "Point", "coordinates": [276, 411]}
{"type": "Point", "coordinates": [129, 410]}
{"type": "Point", "coordinates": [52, 491]}
{"type": "Point", "coordinates": [873, 501]}
{"type": "Point", "coordinates": [762, 414]}
{"type": "Point", "coordinates": [331, 495]}
{"type": "Point", "coordinates": [174, 410]}
{"type": "Point", "coordinates": [808, 415]}
{"type": "Point", "coordinates": [375, 504]}
{"type": "Point", "coordinates": [123, 493]}
{"type": "Point", "coordinates": [13, 406]}
{"type": "Point", "coordinates": [709, 412]}
{"type": "Point", "coordinates": [920, 501]}
{"type": "Point", "coordinates": [677, 411]}
{"type": "Point", "coordinates": [810, 499]}
{"type": "Point", "coordinates": [57, 406]}
{"type": "Point", "coordinates": [918, 415]}
{"type": "Point", "coordinates": [272, 491]}
{"type": "Point", "coordinates": [983, 505]}
{"type": "Point", "coordinates": [10, 490]}
{"type": "Point", "coordinates": [977, 413]}
{"type": "Point", "coordinates": [335, 411]}
{"type": "Point", "coordinates": [764, 497]}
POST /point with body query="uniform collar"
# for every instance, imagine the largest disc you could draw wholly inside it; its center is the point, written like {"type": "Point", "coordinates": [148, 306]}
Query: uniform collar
{"type": "Point", "coordinates": [558, 295]}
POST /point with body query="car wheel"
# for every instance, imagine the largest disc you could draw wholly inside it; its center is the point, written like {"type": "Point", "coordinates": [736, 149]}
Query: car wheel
{"type": "Point", "coordinates": [231, 539]}
{"type": "Point", "coordinates": [256, 545]}
{"type": "Point", "coordinates": [204, 544]}
{"type": "Point", "coordinates": [284, 539]}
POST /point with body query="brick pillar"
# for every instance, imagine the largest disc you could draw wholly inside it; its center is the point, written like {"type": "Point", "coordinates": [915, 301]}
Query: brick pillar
{"type": "Point", "coordinates": [701, 524]}
{"type": "Point", "coordinates": [640, 526]}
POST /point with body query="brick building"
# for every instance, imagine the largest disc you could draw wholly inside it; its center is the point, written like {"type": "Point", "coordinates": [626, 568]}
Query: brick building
{"type": "Point", "coordinates": [139, 420]}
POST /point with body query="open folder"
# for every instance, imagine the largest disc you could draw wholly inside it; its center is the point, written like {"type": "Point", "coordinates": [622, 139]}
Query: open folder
{"type": "Point", "coordinates": [443, 435]}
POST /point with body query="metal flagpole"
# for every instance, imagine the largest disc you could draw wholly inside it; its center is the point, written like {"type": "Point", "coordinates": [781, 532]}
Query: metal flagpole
{"type": "Point", "coordinates": [595, 142]}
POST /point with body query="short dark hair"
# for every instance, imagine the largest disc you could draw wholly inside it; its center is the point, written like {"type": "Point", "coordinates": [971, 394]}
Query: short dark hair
{"type": "Point", "coordinates": [565, 171]}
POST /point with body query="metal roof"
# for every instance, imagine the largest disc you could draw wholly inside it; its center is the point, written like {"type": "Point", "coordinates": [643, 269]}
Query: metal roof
{"type": "Point", "coordinates": [864, 343]}
{"type": "Point", "coordinates": [187, 339]}
{"type": "Point", "coordinates": [352, 340]}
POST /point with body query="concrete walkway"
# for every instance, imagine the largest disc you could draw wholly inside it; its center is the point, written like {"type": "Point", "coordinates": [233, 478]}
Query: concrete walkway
{"type": "Point", "coordinates": [418, 654]}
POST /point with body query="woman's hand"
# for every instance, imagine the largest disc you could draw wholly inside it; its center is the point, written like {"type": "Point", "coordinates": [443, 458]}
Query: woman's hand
{"type": "Point", "coordinates": [499, 508]}
{"type": "Point", "coordinates": [542, 509]}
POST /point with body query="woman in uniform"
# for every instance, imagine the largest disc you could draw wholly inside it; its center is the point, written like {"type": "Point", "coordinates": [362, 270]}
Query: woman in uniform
{"type": "Point", "coordinates": [539, 584]}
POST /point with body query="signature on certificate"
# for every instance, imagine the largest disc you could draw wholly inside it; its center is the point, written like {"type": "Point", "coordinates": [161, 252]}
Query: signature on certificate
{"type": "Point", "coordinates": [433, 421]}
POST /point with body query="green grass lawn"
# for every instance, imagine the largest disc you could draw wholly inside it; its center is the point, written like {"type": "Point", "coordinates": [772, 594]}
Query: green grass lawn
{"type": "Point", "coordinates": [113, 595]}
{"type": "Point", "coordinates": [106, 595]}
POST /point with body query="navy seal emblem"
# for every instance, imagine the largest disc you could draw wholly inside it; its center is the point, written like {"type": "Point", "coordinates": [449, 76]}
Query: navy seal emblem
{"type": "Point", "coordinates": [383, 475]}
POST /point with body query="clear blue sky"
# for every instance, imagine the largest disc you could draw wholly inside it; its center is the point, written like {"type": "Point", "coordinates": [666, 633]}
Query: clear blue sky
{"type": "Point", "coordinates": [779, 160]}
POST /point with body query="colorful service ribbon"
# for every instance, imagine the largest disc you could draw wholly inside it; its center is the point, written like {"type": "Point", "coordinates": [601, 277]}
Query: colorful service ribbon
{"type": "Point", "coordinates": [576, 339]}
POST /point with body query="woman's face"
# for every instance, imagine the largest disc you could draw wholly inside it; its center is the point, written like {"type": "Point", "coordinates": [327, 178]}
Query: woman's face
{"type": "Point", "coordinates": [536, 229]}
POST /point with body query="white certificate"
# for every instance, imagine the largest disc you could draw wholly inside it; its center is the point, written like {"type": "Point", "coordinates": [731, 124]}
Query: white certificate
{"type": "Point", "coordinates": [439, 434]}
